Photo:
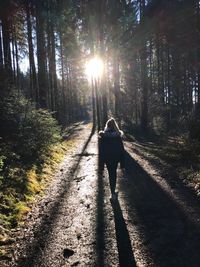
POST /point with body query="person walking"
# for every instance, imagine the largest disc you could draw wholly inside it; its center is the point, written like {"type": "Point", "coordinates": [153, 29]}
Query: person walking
{"type": "Point", "coordinates": [111, 152]}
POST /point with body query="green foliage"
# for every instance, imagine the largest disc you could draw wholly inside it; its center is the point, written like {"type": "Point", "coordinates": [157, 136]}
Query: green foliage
{"type": "Point", "coordinates": [38, 131]}
{"type": "Point", "coordinates": [26, 138]}
{"type": "Point", "coordinates": [30, 131]}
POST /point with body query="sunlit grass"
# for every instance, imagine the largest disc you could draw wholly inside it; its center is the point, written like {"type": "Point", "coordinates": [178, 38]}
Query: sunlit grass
{"type": "Point", "coordinates": [26, 183]}
{"type": "Point", "coordinates": [21, 209]}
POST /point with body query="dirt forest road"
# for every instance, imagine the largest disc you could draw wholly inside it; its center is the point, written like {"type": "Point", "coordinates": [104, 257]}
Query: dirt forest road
{"type": "Point", "coordinates": [154, 222]}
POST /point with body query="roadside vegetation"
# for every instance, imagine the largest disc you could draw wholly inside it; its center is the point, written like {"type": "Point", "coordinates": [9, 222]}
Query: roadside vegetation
{"type": "Point", "coordinates": [31, 146]}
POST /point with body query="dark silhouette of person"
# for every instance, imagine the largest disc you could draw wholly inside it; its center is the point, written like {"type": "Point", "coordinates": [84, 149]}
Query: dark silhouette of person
{"type": "Point", "coordinates": [111, 152]}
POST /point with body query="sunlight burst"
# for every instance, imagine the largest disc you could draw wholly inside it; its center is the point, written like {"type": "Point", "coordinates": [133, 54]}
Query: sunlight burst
{"type": "Point", "coordinates": [94, 68]}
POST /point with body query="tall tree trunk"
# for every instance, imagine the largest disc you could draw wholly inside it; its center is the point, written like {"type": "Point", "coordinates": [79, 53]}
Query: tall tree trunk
{"type": "Point", "coordinates": [1, 64]}
{"type": "Point", "coordinates": [63, 93]}
{"type": "Point", "coordinates": [143, 58]}
{"type": "Point", "coordinates": [93, 106]}
{"type": "Point", "coordinates": [17, 64]}
{"type": "Point", "coordinates": [144, 100]}
{"type": "Point", "coordinates": [13, 58]}
{"type": "Point", "coordinates": [6, 49]}
{"type": "Point", "coordinates": [103, 86]}
{"type": "Point", "coordinates": [168, 88]}
{"type": "Point", "coordinates": [1, 49]}
{"type": "Point", "coordinates": [51, 93]}
{"type": "Point", "coordinates": [53, 74]}
{"type": "Point", "coordinates": [198, 53]}
{"type": "Point", "coordinates": [116, 76]}
{"type": "Point", "coordinates": [41, 55]}
{"type": "Point", "coordinates": [33, 75]}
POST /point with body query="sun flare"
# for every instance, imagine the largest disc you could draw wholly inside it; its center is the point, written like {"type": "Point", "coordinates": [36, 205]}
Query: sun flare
{"type": "Point", "coordinates": [94, 68]}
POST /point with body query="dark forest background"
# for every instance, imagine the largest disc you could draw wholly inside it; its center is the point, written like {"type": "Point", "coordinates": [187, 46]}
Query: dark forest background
{"type": "Point", "coordinates": [150, 83]}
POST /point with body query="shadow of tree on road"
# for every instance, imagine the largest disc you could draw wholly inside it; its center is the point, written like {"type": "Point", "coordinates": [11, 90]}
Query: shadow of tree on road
{"type": "Point", "coordinates": [100, 222]}
{"type": "Point", "coordinates": [170, 174]}
{"type": "Point", "coordinates": [35, 248]}
{"type": "Point", "coordinates": [170, 233]}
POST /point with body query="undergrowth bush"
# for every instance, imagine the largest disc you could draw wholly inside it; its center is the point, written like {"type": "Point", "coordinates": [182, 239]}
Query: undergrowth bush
{"type": "Point", "coordinates": [30, 131]}
{"type": "Point", "coordinates": [27, 135]}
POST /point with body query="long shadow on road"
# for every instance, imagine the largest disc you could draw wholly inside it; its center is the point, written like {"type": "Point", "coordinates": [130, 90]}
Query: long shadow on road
{"type": "Point", "coordinates": [126, 257]}
{"type": "Point", "coordinates": [168, 233]}
{"type": "Point", "coordinates": [171, 176]}
{"type": "Point", "coordinates": [41, 234]}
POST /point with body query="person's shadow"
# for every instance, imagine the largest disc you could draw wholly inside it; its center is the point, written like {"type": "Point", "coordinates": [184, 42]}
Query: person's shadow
{"type": "Point", "coordinates": [126, 257]}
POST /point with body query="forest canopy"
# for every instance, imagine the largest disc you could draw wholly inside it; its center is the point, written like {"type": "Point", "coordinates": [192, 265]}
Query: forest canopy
{"type": "Point", "coordinates": [150, 51]}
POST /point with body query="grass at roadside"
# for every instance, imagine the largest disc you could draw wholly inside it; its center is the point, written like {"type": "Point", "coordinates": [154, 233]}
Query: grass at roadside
{"type": "Point", "coordinates": [25, 182]}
